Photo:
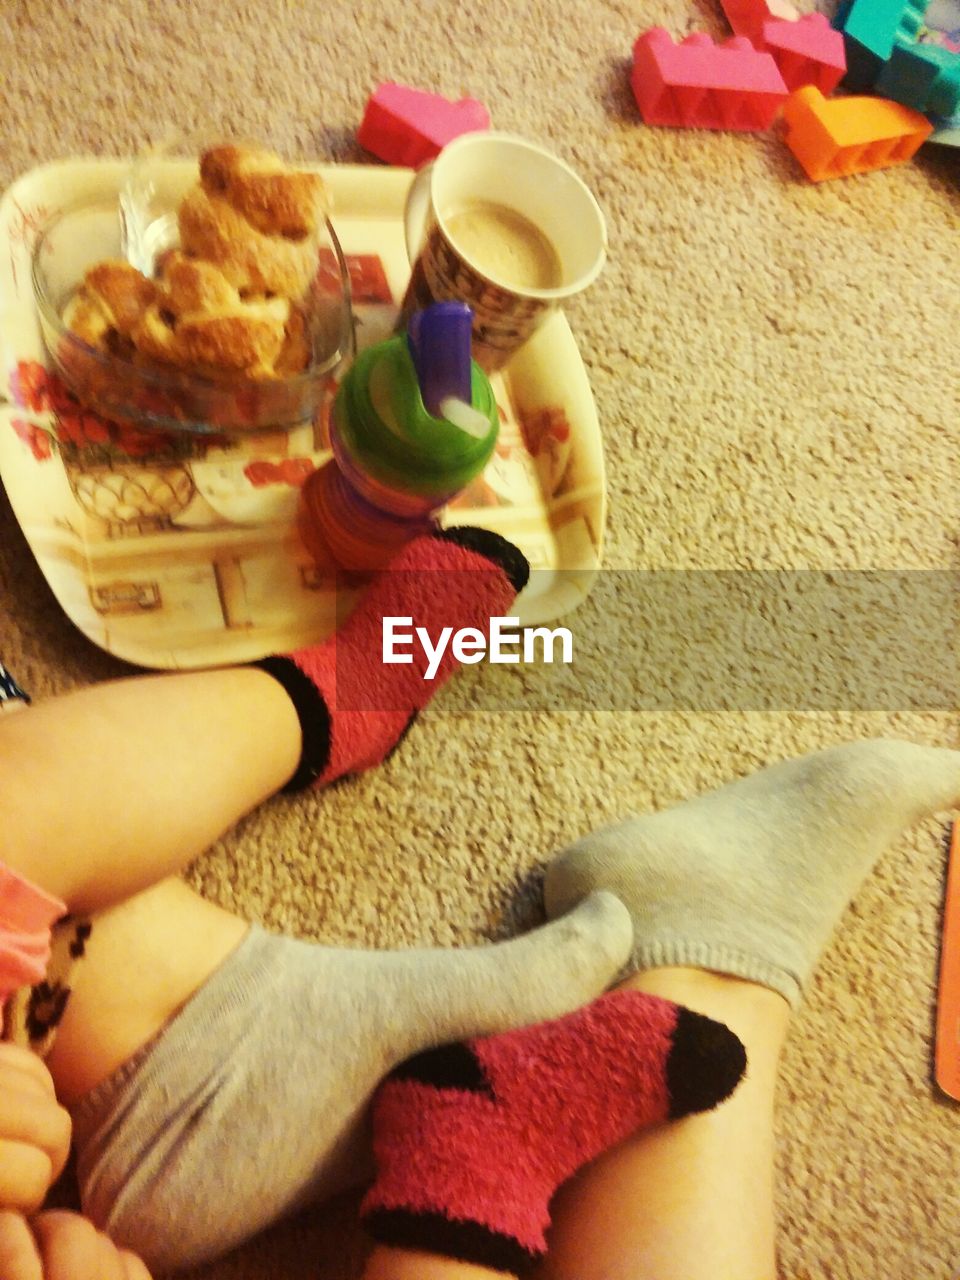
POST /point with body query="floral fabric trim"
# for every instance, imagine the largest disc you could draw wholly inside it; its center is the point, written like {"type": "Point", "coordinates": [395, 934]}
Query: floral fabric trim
{"type": "Point", "coordinates": [33, 1014]}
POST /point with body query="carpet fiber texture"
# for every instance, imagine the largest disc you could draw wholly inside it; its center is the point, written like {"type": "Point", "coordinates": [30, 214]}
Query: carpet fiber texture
{"type": "Point", "coordinates": [772, 367]}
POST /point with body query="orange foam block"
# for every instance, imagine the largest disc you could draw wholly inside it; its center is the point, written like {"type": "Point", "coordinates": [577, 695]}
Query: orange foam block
{"type": "Point", "coordinates": [809, 51]}
{"type": "Point", "coordinates": [407, 126]}
{"type": "Point", "coordinates": [840, 136]}
{"type": "Point", "coordinates": [699, 84]}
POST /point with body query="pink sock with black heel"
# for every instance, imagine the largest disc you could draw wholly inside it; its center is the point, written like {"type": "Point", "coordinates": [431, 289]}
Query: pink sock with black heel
{"type": "Point", "coordinates": [353, 707]}
{"type": "Point", "coordinates": [471, 1140]}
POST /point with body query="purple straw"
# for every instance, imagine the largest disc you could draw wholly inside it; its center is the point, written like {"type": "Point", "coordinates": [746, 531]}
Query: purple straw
{"type": "Point", "coordinates": [439, 342]}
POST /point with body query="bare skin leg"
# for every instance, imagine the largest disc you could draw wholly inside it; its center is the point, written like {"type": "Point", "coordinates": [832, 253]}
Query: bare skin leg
{"type": "Point", "coordinates": [211, 744]}
{"type": "Point", "coordinates": [168, 934]}
{"type": "Point", "coordinates": [693, 1199]}
{"type": "Point", "coordinates": [386, 1263]}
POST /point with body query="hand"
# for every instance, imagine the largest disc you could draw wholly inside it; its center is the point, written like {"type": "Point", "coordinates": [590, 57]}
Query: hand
{"type": "Point", "coordinates": [62, 1246]}
{"type": "Point", "coordinates": [34, 1130]}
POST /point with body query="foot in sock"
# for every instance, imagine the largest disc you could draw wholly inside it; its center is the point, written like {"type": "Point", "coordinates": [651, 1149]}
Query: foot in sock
{"type": "Point", "coordinates": [471, 1140]}
{"type": "Point", "coordinates": [272, 1065]}
{"type": "Point", "coordinates": [353, 707]}
{"type": "Point", "coordinates": [751, 879]}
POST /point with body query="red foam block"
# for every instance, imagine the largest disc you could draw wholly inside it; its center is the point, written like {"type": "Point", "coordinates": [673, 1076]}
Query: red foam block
{"type": "Point", "coordinates": [407, 126]}
{"type": "Point", "coordinates": [809, 51]}
{"type": "Point", "coordinates": [699, 84]}
{"type": "Point", "coordinates": [746, 17]}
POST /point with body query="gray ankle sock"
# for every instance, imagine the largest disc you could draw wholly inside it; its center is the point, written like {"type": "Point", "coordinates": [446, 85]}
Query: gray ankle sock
{"type": "Point", "coordinates": [751, 879]}
{"type": "Point", "coordinates": [252, 1101]}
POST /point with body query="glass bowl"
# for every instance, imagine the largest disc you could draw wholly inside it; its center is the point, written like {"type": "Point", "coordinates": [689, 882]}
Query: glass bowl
{"type": "Point", "coordinates": [161, 396]}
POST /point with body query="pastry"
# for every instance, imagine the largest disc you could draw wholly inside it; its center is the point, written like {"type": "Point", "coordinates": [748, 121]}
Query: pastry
{"type": "Point", "coordinates": [233, 299]}
{"type": "Point", "coordinates": [212, 229]}
{"type": "Point", "coordinates": [199, 321]}
{"type": "Point", "coordinates": [108, 306]}
{"type": "Point", "coordinates": [275, 199]}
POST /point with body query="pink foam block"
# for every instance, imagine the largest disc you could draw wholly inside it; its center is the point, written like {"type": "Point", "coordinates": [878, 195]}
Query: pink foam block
{"type": "Point", "coordinates": [409, 126]}
{"type": "Point", "coordinates": [809, 51]}
{"type": "Point", "coordinates": [702, 85]}
{"type": "Point", "coordinates": [746, 17]}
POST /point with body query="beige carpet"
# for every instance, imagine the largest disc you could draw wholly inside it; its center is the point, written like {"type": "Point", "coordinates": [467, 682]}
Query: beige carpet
{"type": "Point", "coordinates": [773, 365]}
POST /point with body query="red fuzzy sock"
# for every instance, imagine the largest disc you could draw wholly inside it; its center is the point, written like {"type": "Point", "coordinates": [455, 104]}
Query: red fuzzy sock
{"type": "Point", "coordinates": [353, 707]}
{"type": "Point", "coordinates": [472, 1140]}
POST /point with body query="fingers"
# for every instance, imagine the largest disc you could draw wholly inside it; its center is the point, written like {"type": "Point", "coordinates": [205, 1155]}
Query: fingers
{"type": "Point", "coordinates": [27, 1116]}
{"type": "Point", "coordinates": [26, 1174]}
{"type": "Point", "coordinates": [34, 1131]}
{"type": "Point", "coordinates": [73, 1249]}
{"type": "Point", "coordinates": [14, 1057]}
{"type": "Point", "coordinates": [19, 1257]}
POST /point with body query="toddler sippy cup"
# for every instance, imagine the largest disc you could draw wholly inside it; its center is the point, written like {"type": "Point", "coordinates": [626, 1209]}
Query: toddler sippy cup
{"type": "Point", "coordinates": [414, 421]}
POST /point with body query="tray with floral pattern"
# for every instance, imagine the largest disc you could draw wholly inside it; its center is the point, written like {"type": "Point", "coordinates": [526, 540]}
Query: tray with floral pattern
{"type": "Point", "coordinates": [176, 551]}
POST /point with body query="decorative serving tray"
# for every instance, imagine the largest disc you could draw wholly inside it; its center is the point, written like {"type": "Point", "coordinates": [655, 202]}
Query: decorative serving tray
{"type": "Point", "coordinates": [189, 555]}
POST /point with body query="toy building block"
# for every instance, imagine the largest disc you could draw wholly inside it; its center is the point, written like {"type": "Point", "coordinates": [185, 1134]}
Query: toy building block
{"type": "Point", "coordinates": [699, 84]}
{"type": "Point", "coordinates": [746, 17]}
{"type": "Point", "coordinates": [834, 138]}
{"type": "Point", "coordinates": [923, 76]}
{"type": "Point", "coordinates": [809, 51]}
{"type": "Point", "coordinates": [409, 126]}
{"type": "Point", "coordinates": [871, 29]}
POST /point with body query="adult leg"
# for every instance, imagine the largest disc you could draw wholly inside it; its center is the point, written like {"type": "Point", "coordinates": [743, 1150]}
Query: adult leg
{"type": "Point", "coordinates": [733, 896]}
{"type": "Point", "coordinates": [193, 1041]}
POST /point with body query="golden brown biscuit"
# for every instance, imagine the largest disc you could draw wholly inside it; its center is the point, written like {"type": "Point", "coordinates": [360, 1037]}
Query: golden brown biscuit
{"type": "Point", "coordinates": [122, 291]}
{"type": "Point", "coordinates": [227, 302]}
{"type": "Point", "coordinates": [244, 337]}
{"type": "Point", "coordinates": [109, 304]}
{"type": "Point", "coordinates": [191, 284]}
{"type": "Point", "coordinates": [210, 228]}
{"type": "Point", "coordinates": [276, 199]}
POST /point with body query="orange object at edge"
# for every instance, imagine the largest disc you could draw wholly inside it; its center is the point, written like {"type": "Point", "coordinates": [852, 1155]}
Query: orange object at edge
{"type": "Point", "coordinates": [947, 1058]}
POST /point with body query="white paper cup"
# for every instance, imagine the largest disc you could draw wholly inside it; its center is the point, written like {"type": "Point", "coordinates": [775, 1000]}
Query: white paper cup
{"type": "Point", "coordinates": [498, 171]}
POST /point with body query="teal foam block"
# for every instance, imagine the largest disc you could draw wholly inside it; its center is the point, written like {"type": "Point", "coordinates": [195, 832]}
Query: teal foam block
{"type": "Point", "coordinates": [871, 29]}
{"type": "Point", "coordinates": [923, 76]}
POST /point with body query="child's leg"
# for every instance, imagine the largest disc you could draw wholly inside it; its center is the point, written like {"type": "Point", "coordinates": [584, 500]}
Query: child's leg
{"type": "Point", "coordinates": [109, 789]}
{"type": "Point", "coordinates": [472, 1140]}
{"type": "Point", "coordinates": [693, 1199]}
{"type": "Point", "coordinates": [673, 1202]}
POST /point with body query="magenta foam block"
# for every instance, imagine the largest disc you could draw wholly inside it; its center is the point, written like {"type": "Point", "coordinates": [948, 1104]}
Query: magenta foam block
{"type": "Point", "coordinates": [809, 51]}
{"type": "Point", "coordinates": [699, 84]}
{"type": "Point", "coordinates": [407, 126]}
